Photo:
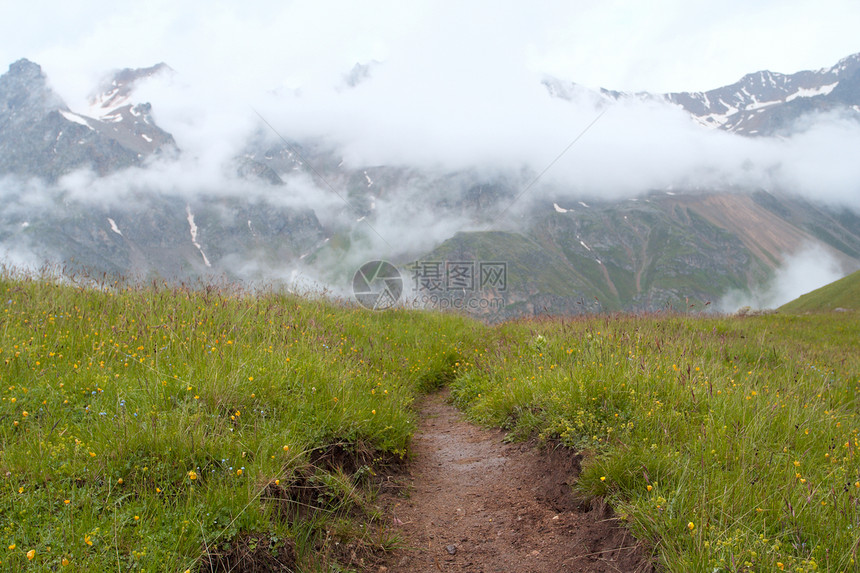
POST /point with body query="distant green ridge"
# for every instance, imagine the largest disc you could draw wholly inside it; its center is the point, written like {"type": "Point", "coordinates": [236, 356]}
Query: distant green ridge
{"type": "Point", "coordinates": [844, 293]}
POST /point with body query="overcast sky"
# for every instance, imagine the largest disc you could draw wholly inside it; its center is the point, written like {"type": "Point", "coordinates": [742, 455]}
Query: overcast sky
{"type": "Point", "coordinates": [659, 45]}
{"type": "Point", "coordinates": [458, 83]}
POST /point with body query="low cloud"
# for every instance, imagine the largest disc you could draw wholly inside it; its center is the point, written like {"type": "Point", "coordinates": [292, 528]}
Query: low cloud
{"type": "Point", "coordinates": [17, 256]}
{"type": "Point", "coordinates": [458, 86]}
{"type": "Point", "coordinates": [516, 129]}
{"type": "Point", "coordinates": [808, 269]}
{"type": "Point", "coordinates": [454, 86]}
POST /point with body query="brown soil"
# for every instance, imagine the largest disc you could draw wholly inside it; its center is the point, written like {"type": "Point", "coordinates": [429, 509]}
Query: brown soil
{"type": "Point", "coordinates": [473, 503]}
{"type": "Point", "coordinates": [250, 554]}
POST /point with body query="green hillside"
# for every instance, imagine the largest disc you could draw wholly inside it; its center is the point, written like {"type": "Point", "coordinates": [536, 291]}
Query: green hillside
{"type": "Point", "coordinates": [844, 293]}
{"type": "Point", "coordinates": [537, 278]}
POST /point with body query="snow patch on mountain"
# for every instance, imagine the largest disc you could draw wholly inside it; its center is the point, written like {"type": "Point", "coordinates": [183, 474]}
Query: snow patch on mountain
{"type": "Point", "coordinates": [113, 226]}
{"type": "Point", "coordinates": [73, 117]}
{"type": "Point", "coordinates": [812, 92]}
{"type": "Point", "coordinates": [193, 227]}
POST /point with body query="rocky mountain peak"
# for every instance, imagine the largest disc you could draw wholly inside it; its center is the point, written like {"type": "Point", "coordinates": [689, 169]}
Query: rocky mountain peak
{"type": "Point", "coordinates": [117, 88]}
{"type": "Point", "coordinates": [26, 70]}
{"type": "Point", "coordinates": [759, 104]}
{"type": "Point", "coordinates": [40, 136]}
{"type": "Point", "coordinates": [766, 103]}
{"type": "Point", "coordinates": [25, 95]}
{"type": "Point", "coordinates": [847, 65]}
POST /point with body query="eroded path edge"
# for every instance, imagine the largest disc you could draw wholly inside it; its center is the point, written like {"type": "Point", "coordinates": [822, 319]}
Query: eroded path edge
{"type": "Point", "coordinates": [475, 503]}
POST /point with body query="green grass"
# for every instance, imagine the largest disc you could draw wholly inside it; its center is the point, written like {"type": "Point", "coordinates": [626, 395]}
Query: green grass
{"type": "Point", "coordinates": [725, 444]}
{"type": "Point", "coordinates": [162, 429]}
{"type": "Point", "coordinates": [145, 427]}
{"type": "Point", "coordinates": [844, 293]}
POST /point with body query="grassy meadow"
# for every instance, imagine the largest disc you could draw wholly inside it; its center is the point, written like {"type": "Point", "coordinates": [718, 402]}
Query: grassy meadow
{"type": "Point", "coordinates": [160, 429]}
{"type": "Point", "coordinates": [725, 444]}
{"type": "Point", "coordinates": [145, 427]}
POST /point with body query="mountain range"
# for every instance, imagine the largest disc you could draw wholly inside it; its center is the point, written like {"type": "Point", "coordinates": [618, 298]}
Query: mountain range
{"type": "Point", "coordinates": [763, 103]}
{"type": "Point", "coordinates": [659, 249]}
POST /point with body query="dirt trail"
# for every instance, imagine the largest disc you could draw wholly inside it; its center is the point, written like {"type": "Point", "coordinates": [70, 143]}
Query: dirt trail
{"type": "Point", "coordinates": [477, 504]}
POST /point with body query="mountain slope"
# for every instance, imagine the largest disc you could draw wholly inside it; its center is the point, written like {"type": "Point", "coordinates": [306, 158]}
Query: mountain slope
{"type": "Point", "coordinates": [167, 236]}
{"type": "Point", "coordinates": [652, 253]}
